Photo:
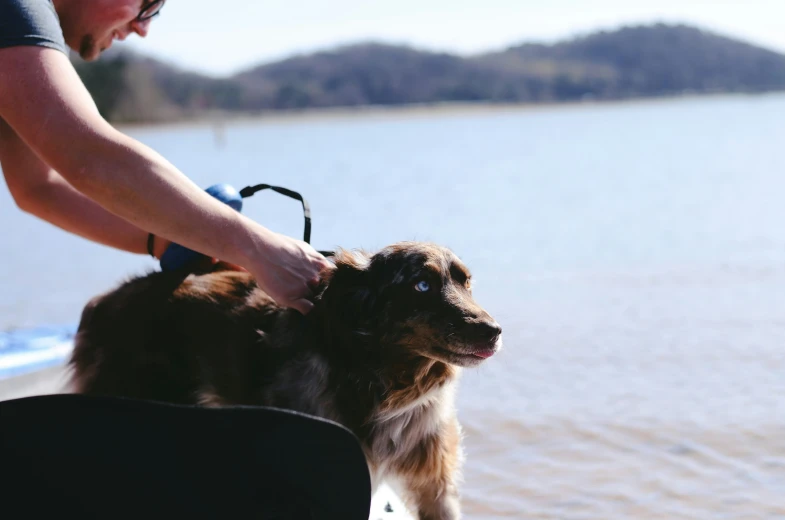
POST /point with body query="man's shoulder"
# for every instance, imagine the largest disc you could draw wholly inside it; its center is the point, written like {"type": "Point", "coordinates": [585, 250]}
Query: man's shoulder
{"type": "Point", "coordinates": [30, 22]}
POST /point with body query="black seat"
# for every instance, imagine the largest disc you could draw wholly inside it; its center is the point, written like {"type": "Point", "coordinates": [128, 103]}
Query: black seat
{"type": "Point", "coordinates": [94, 457]}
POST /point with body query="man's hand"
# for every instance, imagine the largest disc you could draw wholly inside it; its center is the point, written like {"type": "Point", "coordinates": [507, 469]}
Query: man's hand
{"type": "Point", "coordinates": [288, 270]}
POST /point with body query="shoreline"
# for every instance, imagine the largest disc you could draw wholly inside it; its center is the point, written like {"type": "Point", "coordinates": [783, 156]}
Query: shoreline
{"type": "Point", "coordinates": [219, 119]}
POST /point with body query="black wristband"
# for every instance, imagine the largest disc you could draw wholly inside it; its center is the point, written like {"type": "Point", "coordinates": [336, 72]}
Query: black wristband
{"type": "Point", "coordinates": [150, 244]}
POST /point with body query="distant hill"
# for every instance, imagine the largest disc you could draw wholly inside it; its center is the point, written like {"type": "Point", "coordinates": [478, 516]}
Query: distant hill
{"type": "Point", "coordinates": [647, 61]}
{"type": "Point", "coordinates": [639, 61]}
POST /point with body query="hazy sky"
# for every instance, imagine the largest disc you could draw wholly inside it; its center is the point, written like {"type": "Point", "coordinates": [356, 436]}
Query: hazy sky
{"type": "Point", "coordinates": [223, 36]}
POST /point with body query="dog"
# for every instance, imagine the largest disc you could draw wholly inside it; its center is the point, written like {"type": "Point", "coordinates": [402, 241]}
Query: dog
{"type": "Point", "coordinates": [380, 353]}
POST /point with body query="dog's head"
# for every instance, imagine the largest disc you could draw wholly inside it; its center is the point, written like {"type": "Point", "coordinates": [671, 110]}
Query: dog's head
{"type": "Point", "coordinates": [410, 299]}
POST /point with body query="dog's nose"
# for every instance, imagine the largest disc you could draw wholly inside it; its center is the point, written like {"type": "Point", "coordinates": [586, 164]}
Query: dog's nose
{"type": "Point", "coordinates": [487, 330]}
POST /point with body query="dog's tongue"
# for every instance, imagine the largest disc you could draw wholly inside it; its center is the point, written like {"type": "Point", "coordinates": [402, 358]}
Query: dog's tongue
{"type": "Point", "coordinates": [485, 354]}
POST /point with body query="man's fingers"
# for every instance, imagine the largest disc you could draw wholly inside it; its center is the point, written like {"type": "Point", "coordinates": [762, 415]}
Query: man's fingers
{"type": "Point", "coordinates": [313, 283]}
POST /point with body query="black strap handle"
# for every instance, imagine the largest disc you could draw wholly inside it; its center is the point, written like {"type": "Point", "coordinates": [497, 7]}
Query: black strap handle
{"type": "Point", "coordinates": [251, 190]}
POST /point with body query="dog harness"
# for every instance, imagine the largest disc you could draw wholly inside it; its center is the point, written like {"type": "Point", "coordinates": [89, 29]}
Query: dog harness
{"type": "Point", "coordinates": [178, 257]}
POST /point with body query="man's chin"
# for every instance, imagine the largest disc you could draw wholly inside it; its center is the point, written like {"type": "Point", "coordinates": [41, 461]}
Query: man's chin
{"type": "Point", "coordinates": [88, 50]}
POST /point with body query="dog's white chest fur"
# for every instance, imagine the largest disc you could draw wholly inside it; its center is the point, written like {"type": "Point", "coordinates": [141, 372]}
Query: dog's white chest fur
{"type": "Point", "coordinates": [397, 433]}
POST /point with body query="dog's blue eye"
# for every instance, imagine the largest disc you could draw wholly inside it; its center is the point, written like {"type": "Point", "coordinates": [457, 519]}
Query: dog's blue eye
{"type": "Point", "coordinates": [422, 286]}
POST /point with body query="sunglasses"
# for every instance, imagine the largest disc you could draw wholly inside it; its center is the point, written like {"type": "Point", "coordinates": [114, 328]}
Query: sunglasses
{"type": "Point", "coordinates": [150, 10]}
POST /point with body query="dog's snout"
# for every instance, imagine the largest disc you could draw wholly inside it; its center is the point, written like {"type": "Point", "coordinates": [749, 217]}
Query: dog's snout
{"type": "Point", "coordinates": [486, 330]}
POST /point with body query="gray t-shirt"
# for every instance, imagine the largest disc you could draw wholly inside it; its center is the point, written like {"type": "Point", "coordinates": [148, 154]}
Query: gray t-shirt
{"type": "Point", "coordinates": [30, 22]}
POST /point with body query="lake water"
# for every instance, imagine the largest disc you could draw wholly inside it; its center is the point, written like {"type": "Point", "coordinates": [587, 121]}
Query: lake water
{"type": "Point", "coordinates": [634, 254]}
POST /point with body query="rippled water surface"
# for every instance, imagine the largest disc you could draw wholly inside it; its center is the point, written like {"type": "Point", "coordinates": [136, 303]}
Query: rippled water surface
{"type": "Point", "coordinates": [634, 254]}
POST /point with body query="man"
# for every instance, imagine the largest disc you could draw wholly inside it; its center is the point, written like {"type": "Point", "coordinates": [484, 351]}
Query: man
{"type": "Point", "coordinates": [65, 164]}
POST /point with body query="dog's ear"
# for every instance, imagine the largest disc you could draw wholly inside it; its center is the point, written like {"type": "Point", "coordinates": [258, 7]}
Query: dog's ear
{"type": "Point", "coordinates": [346, 296]}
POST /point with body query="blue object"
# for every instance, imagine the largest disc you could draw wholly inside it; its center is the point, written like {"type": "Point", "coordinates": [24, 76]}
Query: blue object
{"type": "Point", "coordinates": [226, 194]}
{"type": "Point", "coordinates": [177, 256]}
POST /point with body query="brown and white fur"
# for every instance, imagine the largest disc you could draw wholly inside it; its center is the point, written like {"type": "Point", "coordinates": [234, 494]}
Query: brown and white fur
{"type": "Point", "coordinates": [380, 354]}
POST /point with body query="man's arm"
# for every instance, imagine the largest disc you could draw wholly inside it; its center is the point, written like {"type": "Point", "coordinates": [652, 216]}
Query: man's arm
{"type": "Point", "coordinates": [46, 104]}
{"type": "Point", "coordinates": [41, 191]}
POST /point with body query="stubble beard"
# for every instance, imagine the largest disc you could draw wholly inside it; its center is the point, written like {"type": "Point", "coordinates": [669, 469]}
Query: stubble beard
{"type": "Point", "coordinates": [88, 49]}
